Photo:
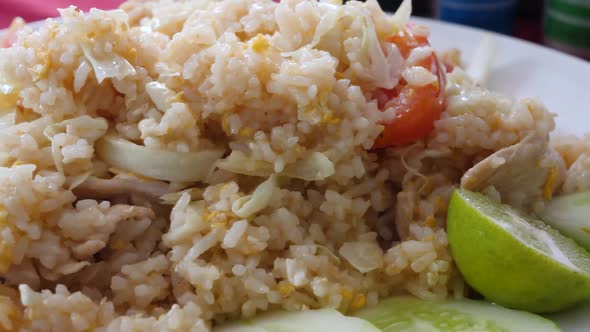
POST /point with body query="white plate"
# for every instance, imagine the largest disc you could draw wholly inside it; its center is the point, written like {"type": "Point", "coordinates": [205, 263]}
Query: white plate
{"type": "Point", "coordinates": [524, 69]}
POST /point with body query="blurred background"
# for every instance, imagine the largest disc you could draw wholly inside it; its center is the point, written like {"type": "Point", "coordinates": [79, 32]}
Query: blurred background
{"type": "Point", "coordinates": [561, 24]}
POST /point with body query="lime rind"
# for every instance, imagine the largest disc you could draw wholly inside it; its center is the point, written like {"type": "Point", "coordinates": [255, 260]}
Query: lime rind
{"type": "Point", "coordinates": [515, 260]}
{"type": "Point", "coordinates": [531, 232]}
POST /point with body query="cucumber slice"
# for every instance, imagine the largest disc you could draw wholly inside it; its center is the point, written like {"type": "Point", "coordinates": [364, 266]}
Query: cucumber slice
{"type": "Point", "coordinates": [411, 314]}
{"type": "Point", "coordinates": [570, 214]}
{"type": "Point", "coordinates": [302, 321]}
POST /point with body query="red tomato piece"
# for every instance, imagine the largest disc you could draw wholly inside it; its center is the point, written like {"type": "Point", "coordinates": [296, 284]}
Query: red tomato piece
{"type": "Point", "coordinates": [416, 108]}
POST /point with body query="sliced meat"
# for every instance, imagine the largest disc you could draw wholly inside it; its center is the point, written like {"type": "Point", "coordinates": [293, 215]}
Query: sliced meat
{"type": "Point", "coordinates": [404, 213]}
{"type": "Point", "coordinates": [96, 188]}
{"type": "Point", "coordinates": [88, 248]}
{"type": "Point", "coordinates": [522, 173]}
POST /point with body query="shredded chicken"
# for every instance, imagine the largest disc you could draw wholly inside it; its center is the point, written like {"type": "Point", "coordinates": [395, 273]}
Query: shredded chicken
{"type": "Point", "coordinates": [406, 201]}
{"type": "Point", "coordinates": [522, 173]}
{"type": "Point", "coordinates": [108, 188]}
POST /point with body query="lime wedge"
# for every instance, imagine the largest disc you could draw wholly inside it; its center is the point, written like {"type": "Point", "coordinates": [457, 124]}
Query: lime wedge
{"type": "Point", "coordinates": [410, 314]}
{"type": "Point", "coordinates": [513, 259]}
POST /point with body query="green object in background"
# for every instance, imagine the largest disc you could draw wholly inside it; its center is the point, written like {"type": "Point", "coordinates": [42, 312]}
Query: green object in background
{"type": "Point", "coordinates": [567, 26]}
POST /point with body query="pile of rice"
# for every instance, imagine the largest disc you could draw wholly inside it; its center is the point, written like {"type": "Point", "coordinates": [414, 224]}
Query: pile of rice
{"type": "Point", "coordinates": [245, 76]}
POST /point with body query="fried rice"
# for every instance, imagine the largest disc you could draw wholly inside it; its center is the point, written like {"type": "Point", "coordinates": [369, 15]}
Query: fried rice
{"type": "Point", "coordinates": [293, 209]}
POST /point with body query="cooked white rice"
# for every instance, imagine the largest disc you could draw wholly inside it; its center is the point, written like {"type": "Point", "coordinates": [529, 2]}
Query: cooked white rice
{"type": "Point", "coordinates": [249, 77]}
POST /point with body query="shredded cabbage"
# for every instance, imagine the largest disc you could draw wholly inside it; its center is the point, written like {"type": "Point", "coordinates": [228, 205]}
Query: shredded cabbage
{"type": "Point", "coordinates": [157, 164]}
{"type": "Point", "coordinates": [111, 66]}
{"type": "Point", "coordinates": [75, 181]}
{"type": "Point", "coordinates": [314, 166]}
{"type": "Point", "coordinates": [403, 13]}
{"type": "Point", "coordinates": [83, 126]}
{"type": "Point", "coordinates": [363, 256]}
{"type": "Point", "coordinates": [482, 60]}
{"type": "Point", "coordinates": [379, 66]}
{"type": "Point", "coordinates": [332, 13]}
{"type": "Point", "coordinates": [323, 250]}
{"type": "Point", "coordinates": [187, 220]}
{"type": "Point", "coordinates": [160, 95]}
{"type": "Point", "coordinates": [7, 117]}
{"type": "Point", "coordinates": [249, 205]}
{"type": "Point", "coordinates": [237, 162]}
{"type": "Point", "coordinates": [172, 198]}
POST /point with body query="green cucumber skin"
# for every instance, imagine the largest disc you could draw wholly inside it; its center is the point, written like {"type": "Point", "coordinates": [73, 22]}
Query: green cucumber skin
{"type": "Point", "coordinates": [570, 214]}
{"type": "Point", "coordinates": [323, 320]}
{"type": "Point", "coordinates": [395, 314]}
{"type": "Point", "coordinates": [400, 313]}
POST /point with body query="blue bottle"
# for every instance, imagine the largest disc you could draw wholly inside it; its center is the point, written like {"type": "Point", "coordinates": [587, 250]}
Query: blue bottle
{"type": "Point", "coordinates": [495, 15]}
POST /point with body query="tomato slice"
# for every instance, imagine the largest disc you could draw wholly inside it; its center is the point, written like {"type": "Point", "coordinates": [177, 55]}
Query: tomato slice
{"type": "Point", "coordinates": [416, 108]}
